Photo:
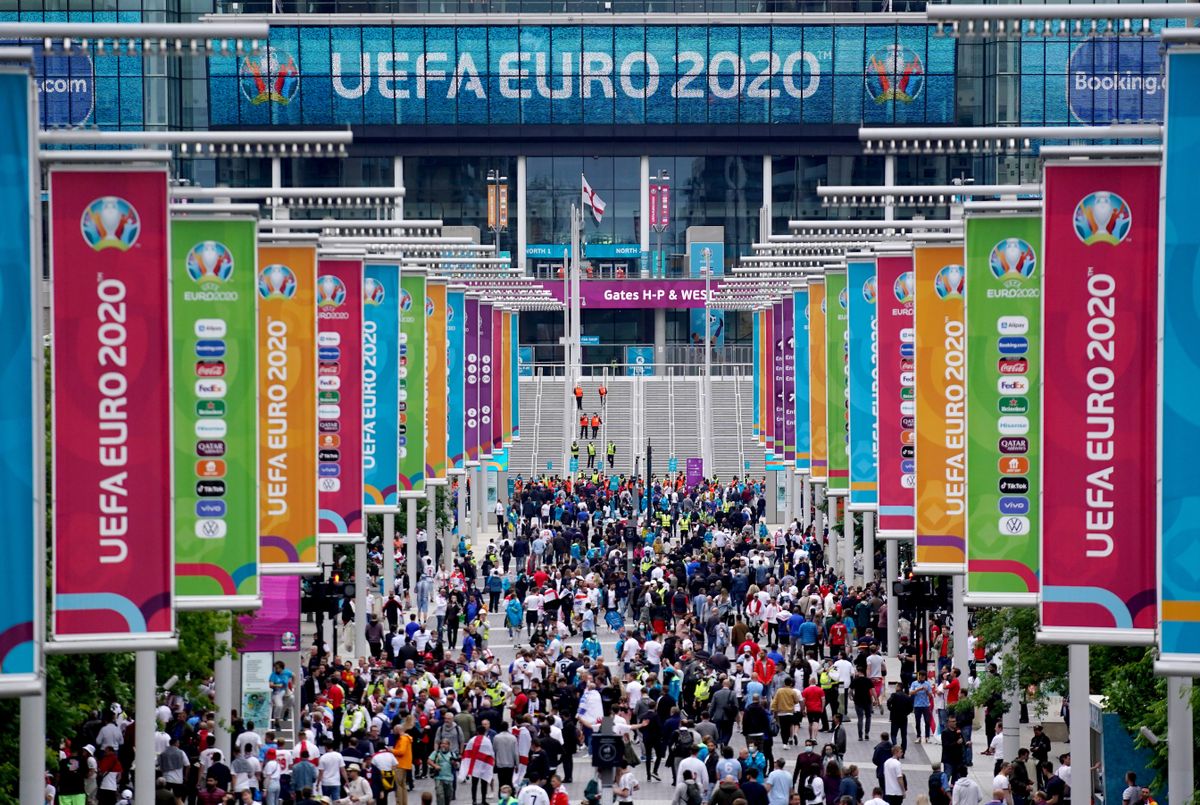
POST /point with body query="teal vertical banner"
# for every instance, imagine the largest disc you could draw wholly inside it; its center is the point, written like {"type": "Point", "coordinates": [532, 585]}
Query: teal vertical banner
{"type": "Point", "coordinates": [863, 366]}
{"type": "Point", "coordinates": [21, 412]}
{"type": "Point", "coordinates": [456, 316]}
{"type": "Point", "coordinates": [381, 338]}
{"type": "Point", "coordinates": [754, 363]}
{"type": "Point", "coordinates": [1179, 496]}
{"type": "Point", "coordinates": [800, 372]}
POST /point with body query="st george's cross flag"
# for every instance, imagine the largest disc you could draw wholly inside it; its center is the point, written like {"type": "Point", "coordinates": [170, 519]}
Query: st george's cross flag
{"type": "Point", "coordinates": [593, 201]}
{"type": "Point", "coordinates": [524, 745]}
{"type": "Point", "coordinates": [478, 758]}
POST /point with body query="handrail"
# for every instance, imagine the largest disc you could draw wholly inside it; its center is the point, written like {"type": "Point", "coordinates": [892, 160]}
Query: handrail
{"type": "Point", "coordinates": [737, 408]}
{"type": "Point", "coordinates": [671, 414]}
{"type": "Point", "coordinates": [537, 427]}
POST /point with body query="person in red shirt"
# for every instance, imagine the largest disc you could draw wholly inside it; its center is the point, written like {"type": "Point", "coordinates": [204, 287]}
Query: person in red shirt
{"type": "Point", "coordinates": [520, 702]}
{"type": "Point", "coordinates": [751, 646]}
{"type": "Point", "coordinates": [953, 690]}
{"type": "Point", "coordinates": [814, 706]}
{"type": "Point", "coordinates": [837, 638]}
{"type": "Point", "coordinates": [764, 670]}
{"type": "Point", "coordinates": [540, 578]}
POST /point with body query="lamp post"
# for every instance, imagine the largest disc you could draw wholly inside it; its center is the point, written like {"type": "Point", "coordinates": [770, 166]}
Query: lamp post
{"type": "Point", "coordinates": [497, 204]}
{"type": "Point", "coordinates": [660, 209]}
{"type": "Point", "coordinates": [706, 268]}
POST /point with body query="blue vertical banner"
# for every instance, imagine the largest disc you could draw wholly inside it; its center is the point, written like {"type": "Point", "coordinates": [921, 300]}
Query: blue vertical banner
{"type": "Point", "coordinates": [22, 413]}
{"type": "Point", "coordinates": [754, 364]}
{"type": "Point", "coordinates": [863, 384]}
{"type": "Point", "coordinates": [381, 339]}
{"type": "Point", "coordinates": [800, 379]}
{"type": "Point", "coordinates": [711, 256]}
{"type": "Point", "coordinates": [1179, 367]}
{"type": "Point", "coordinates": [524, 361]}
{"type": "Point", "coordinates": [456, 316]}
{"type": "Point", "coordinates": [639, 361]}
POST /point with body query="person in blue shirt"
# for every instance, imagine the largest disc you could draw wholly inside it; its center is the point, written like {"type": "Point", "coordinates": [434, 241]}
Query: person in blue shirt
{"type": "Point", "coordinates": [808, 636]}
{"type": "Point", "coordinates": [514, 616]}
{"type": "Point", "coordinates": [591, 647]}
{"type": "Point", "coordinates": [281, 680]}
{"type": "Point", "coordinates": [794, 624]}
{"type": "Point", "coordinates": [468, 645]}
{"type": "Point", "coordinates": [921, 691]}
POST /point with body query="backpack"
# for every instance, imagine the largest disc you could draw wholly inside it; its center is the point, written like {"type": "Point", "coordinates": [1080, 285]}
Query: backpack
{"type": "Point", "coordinates": [684, 742]}
{"type": "Point", "coordinates": [692, 795]}
{"type": "Point", "coordinates": [807, 792]}
{"type": "Point", "coordinates": [387, 780]}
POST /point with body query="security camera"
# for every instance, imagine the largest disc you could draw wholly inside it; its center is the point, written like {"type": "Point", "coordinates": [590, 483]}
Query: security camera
{"type": "Point", "coordinates": [1150, 736]}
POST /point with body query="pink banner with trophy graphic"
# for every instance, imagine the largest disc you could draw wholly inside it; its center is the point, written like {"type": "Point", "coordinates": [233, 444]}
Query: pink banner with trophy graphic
{"type": "Point", "coordinates": [1100, 325]}
{"type": "Point", "coordinates": [897, 378]}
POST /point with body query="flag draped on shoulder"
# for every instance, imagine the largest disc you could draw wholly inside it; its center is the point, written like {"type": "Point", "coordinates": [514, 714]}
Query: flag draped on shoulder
{"type": "Point", "coordinates": [593, 201]}
{"type": "Point", "coordinates": [478, 758]}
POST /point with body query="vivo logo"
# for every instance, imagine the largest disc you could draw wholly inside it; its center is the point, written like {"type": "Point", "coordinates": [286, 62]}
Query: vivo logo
{"type": "Point", "coordinates": [1012, 505]}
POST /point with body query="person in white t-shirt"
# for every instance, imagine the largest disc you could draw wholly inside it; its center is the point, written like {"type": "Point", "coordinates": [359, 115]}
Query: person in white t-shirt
{"type": "Point", "coordinates": [653, 650]}
{"type": "Point", "coordinates": [626, 784]}
{"type": "Point", "coordinates": [1001, 782]}
{"type": "Point", "coordinates": [331, 773]}
{"type": "Point", "coordinates": [894, 784]}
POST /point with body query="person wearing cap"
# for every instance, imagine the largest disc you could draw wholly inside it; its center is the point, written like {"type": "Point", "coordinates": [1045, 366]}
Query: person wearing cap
{"type": "Point", "coordinates": [357, 789]}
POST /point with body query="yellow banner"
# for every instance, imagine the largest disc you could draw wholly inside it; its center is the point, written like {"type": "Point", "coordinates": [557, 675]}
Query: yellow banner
{"type": "Point", "coordinates": [287, 409]}
{"type": "Point", "coordinates": [816, 379]}
{"type": "Point", "coordinates": [940, 409]}
{"type": "Point", "coordinates": [435, 378]}
{"type": "Point", "coordinates": [506, 372]}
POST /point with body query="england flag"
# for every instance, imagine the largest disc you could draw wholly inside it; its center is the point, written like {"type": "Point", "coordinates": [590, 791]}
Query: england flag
{"type": "Point", "coordinates": [593, 201]}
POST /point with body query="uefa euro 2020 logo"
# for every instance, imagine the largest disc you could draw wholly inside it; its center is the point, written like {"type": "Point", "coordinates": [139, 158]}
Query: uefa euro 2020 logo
{"type": "Point", "coordinates": [904, 288]}
{"type": "Point", "coordinates": [428, 307]}
{"type": "Point", "coordinates": [210, 263]}
{"type": "Point", "coordinates": [110, 222]}
{"type": "Point", "coordinates": [1102, 217]}
{"type": "Point", "coordinates": [894, 73]}
{"type": "Point", "coordinates": [270, 77]}
{"type": "Point", "coordinates": [843, 299]}
{"type": "Point", "coordinates": [331, 291]}
{"type": "Point", "coordinates": [949, 282]}
{"type": "Point", "coordinates": [1012, 261]}
{"type": "Point", "coordinates": [406, 301]}
{"type": "Point", "coordinates": [276, 281]}
{"type": "Point", "coordinates": [373, 291]}
{"type": "Point", "coordinates": [869, 290]}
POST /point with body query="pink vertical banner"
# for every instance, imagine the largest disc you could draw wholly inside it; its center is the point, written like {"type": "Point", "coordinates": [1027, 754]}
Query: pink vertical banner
{"type": "Point", "coordinates": [778, 339]}
{"type": "Point", "coordinates": [473, 404]}
{"type": "Point", "coordinates": [276, 625]}
{"type": "Point", "coordinates": [653, 205]}
{"type": "Point", "coordinates": [1100, 427]}
{"type": "Point", "coordinates": [339, 400]}
{"type": "Point", "coordinates": [113, 541]}
{"type": "Point", "coordinates": [770, 402]}
{"type": "Point", "coordinates": [497, 435]}
{"type": "Point", "coordinates": [897, 379]}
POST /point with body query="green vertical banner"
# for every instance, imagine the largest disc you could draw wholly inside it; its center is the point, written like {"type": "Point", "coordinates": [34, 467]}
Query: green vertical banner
{"type": "Point", "coordinates": [1003, 326]}
{"type": "Point", "coordinates": [213, 350]}
{"type": "Point", "coordinates": [412, 383]}
{"type": "Point", "coordinates": [837, 304]}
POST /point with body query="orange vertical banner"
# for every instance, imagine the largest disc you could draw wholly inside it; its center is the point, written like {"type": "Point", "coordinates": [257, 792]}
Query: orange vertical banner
{"type": "Point", "coordinates": [287, 409]}
{"type": "Point", "coordinates": [940, 409]}
{"type": "Point", "coordinates": [816, 379]}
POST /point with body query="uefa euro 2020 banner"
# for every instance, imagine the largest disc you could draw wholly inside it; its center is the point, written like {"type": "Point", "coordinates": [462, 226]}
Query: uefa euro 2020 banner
{"type": "Point", "coordinates": [214, 274]}
{"type": "Point", "coordinates": [837, 304]}
{"type": "Point", "coordinates": [756, 336]}
{"type": "Point", "coordinates": [514, 334]}
{"type": "Point", "coordinates": [456, 392]}
{"type": "Point", "coordinates": [412, 383]}
{"type": "Point", "coordinates": [1098, 459]}
{"type": "Point", "coordinates": [863, 383]}
{"type": "Point", "coordinates": [573, 74]}
{"type": "Point", "coordinates": [381, 385]}
{"type": "Point", "coordinates": [1179, 497]}
{"type": "Point", "coordinates": [787, 378]}
{"type": "Point", "coordinates": [339, 404]}
{"type": "Point", "coordinates": [114, 567]}
{"type": "Point", "coordinates": [22, 410]}
{"type": "Point", "coordinates": [436, 408]}
{"type": "Point", "coordinates": [470, 336]}
{"type": "Point", "coordinates": [896, 364]}
{"type": "Point", "coordinates": [287, 410]}
{"type": "Point", "coordinates": [939, 407]}
{"type": "Point", "coordinates": [1003, 318]}
{"type": "Point", "coordinates": [816, 380]}
{"type": "Point", "coordinates": [487, 376]}
{"type": "Point", "coordinates": [778, 392]}
{"type": "Point", "coordinates": [800, 379]}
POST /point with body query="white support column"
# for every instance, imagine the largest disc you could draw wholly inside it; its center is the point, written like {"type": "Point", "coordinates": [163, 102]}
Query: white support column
{"type": "Point", "coordinates": [1081, 724]}
{"type": "Point", "coordinates": [962, 653]}
{"type": "Point", "coordinates": [361, 580]}
{"type": "Point", "coordinates": [644, 216]}
{"type": "Point", "coordinates": [398, 183]}
{"type": "Point", "coordinates": [480, 496]}
{"type": "Point", "coordinates": [325, 552]}
{"type": "Point", "coordinates": [848, 534]}
{"type": "Point", "coordinates": [893, 614]}
{"type": "Point", "coordinates": [410, 547]}
{"type": "Point", "coordinates": [1011, 720]}
{"type": "Point", "coordinates": [808, 500]}
{"type": "Point", "coordinates": [788, 497]}
{"type": "Point", "coordinates": [868, 553]}
{"type": "Point", "coordinates": [145, 664]}
{"type": "Point", "coordinates": [522, 222]}
{"type": "Point", "coordinates": [834, 551]}
{"type": "Point", "coordinates": [389, 554]}
{"type": "Point", "coordinates": [463, 529]}
{"type": "Point", "coordinates": [33, 748]}
{"type": "Point", "coordinates": [223, 681]}
{"type": "Point", "coordinates": [431, 523]}
{"type": "Point", "coordinates": [1180, 733]}
{"type": "Point", "coordinates": [819, 518]}
{"type": "Point", "coordinates": [889, 180]}
{"type": "Point", "coordinates": [768, 200]}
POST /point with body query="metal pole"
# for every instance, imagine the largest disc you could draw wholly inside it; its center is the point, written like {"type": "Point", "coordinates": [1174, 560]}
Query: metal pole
{"type": "Point", "coordinates": [480, 483]}
{"type": "Point", "coordinates": [325, 551]}
{"type": "Point", "coordinates": [848, 559]}
{"type": "Point", "coordinates": [576, 320]}
{"type": "Point", "coordinates": [819, 526]}
{"type": "Point", "coordinates": [808, 500]}
{"type": "Point", "coordinates": [644, 206]}
{"type": "Point", "coordinates": [1081, 724]}
{"type": "Point", "coordinates": [389, 554]}
{"type": "Point", "coordinates": [33, 748]}
{"type": "Point", "coordinates": [145, 663]}
{"type": "Point", "coordinates": [1181, 776]}
{"type": "Point", "coordinates": [431, 522]}
{"type": "Point", "coordinates": [360, 599]}
{"type": "Point", "coordinates": [463, 533]}
{"type": "Point", "coordinates": [410, 547]}
{"type": "Point", "coordinates": [834, 535]}
{"type": "Point", "coordinates": [868, 553]}
{"type": "Point", "coordinates": [522, 224]}
{"type": "Point", "coordinates": [962, 653]}
{"type": "Point", "coordinates": [788, 509]}
{"type": "Point", "coordinates": [893, 614]}
{"type": "Point", "coordinates": [1011, 721]}
{"type": "Point", "coordinates": [889, 180]}
{"type": "Point", "coordinates": [223, 679]}
{"type": "Point", "coordinates": [706, 437]}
